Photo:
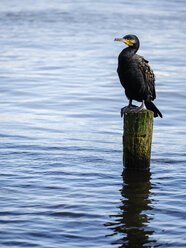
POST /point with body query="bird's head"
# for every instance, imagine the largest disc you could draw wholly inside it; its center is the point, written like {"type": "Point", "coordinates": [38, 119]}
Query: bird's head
{"type": "Point", "coordinates": [130, 40]}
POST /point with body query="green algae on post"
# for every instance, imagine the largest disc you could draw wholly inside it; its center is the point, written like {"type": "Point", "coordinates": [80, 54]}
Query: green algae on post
{"type": "Point", "coordinates": [137, 139]}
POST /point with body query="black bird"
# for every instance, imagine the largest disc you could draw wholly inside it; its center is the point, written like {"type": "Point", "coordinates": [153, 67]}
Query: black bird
{"type": "Point", "coordinates": [136, 77]}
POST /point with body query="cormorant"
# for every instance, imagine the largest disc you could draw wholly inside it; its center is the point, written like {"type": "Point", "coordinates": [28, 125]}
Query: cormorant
{"type": "Point", "coordinates": [136, 77]}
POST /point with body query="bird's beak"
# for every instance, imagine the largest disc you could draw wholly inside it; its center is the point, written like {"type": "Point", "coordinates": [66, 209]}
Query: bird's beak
{"type": "Point", "coordinates": [120, 39]}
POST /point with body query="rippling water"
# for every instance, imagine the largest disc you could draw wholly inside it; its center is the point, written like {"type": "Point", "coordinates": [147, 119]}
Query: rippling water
{"type": "Point", "coordinates": [61, 132]}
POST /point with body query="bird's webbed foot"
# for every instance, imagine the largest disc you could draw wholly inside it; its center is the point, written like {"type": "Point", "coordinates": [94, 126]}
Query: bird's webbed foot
{"type": "Point", "coordinates": [138, 109]}
{"type": "Point", "coordinates": [130, 107]}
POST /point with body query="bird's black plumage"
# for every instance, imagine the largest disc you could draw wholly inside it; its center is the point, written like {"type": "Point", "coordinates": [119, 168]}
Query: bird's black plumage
{"type": "Point", "coordinates": [136, 76]}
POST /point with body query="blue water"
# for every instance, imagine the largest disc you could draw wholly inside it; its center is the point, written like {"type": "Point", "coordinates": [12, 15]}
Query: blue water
{"type": "Point", "coordinates": [61, 131]}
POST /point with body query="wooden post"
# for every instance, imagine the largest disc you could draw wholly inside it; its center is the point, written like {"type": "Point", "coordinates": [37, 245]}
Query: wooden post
{"type": "Point", "coordinates": [137, 139]}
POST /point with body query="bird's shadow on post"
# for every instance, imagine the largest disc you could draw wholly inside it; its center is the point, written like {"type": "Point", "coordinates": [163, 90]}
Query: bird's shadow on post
{"type": "Point", "coordinates": [133, 218]}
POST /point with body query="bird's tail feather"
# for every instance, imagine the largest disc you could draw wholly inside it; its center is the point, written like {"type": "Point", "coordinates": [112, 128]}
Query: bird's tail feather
{"type": "Point", "coordinates": [150, 105]}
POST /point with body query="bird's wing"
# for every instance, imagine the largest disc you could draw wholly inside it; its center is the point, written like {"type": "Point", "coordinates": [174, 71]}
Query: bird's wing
{"type": "Point", "coordinates": [148, 74]}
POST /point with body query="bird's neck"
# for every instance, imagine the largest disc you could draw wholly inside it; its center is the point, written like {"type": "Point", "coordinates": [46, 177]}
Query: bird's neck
{"type": "Point", "coordinates": [128, 52]}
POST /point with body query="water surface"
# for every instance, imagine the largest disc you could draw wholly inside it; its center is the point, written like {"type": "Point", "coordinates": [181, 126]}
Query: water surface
{"type": "Point", "coordinates": [61, 132]}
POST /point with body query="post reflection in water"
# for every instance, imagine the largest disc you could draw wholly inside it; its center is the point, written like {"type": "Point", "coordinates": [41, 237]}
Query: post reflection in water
{"type": "Point", "coordinates": [131, 223]}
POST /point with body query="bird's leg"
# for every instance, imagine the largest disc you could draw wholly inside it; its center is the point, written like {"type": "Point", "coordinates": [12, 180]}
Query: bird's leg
{"type": "Point", "coordinates": [138, 109]}
{"type": "Point", "coordinates": [129, 107]}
